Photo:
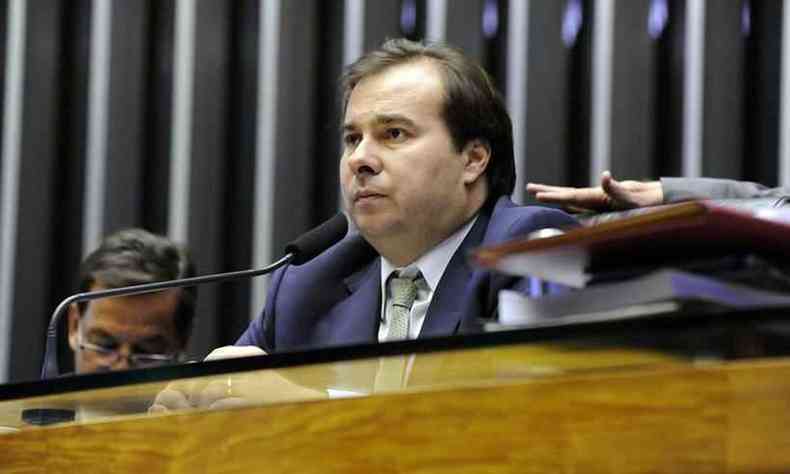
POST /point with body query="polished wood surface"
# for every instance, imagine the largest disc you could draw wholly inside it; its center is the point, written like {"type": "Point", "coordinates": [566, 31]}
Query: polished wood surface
{"type": "Point", "coordinates": [663, 416]}
{"type": "Point", "coordinates": [424, 371]}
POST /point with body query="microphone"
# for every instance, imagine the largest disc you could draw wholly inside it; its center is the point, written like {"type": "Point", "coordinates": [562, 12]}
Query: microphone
{"type": "Point", "coordinates": [307, 246]}
{"type": "Point", "coordinates": [299, 251]}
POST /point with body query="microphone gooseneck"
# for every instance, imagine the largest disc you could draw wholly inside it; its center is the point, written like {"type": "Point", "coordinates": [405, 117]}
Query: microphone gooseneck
{"type": "Point", "coordinates": [299, 251]}
{"type": "Point", "coordinates": [315, 241]}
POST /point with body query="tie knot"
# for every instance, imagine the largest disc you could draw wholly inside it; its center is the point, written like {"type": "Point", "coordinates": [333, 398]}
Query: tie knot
{"type": "Point", "coordinates": [403, 291]}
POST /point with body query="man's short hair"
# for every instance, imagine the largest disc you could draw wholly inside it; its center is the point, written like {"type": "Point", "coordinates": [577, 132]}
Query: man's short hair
{"type": "Point", "coordinates": [136, 256]}
{"type": "Point", "coordinates": [473, 109]}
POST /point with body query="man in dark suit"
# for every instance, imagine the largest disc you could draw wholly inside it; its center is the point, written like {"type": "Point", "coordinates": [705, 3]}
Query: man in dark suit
{"type": "Point", "coordinates": [426, 171]}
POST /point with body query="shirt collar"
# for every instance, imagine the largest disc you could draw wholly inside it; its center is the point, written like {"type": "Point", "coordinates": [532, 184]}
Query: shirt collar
{"type": "Point", "coordinates": [433, 263]}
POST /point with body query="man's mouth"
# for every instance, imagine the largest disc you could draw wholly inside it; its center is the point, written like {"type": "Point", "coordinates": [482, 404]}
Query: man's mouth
{"type": "Point", "coordinates": [366, 195]}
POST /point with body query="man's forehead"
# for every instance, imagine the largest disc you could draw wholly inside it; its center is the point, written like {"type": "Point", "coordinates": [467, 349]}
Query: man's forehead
{"type": "Point", "coordinates": [403, 91]}
{"type": "Point", "coordinates": [149, 310]}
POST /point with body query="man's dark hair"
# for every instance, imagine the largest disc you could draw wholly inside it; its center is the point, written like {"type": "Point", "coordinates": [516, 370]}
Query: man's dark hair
{"type": "Point", "coordinates": [473, 109]}
{"type": "Point", "coordinates": [136, 256]}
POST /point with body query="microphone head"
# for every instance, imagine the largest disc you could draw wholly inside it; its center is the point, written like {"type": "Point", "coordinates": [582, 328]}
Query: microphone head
{"type": "Point", "coordinates": [309, 245]}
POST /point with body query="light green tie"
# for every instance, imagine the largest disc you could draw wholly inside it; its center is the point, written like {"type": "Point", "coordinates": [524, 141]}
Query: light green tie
{"type": "Point", "coordinates": [403, 291]}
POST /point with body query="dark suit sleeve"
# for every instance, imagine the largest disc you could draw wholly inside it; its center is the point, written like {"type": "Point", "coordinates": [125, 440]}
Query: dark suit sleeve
{"type": "Point", "coordinates": [684, 189]}
{"type": "Point", "coordinates": [253, 336]}
{"type": "Point", "coordinates": [260, 332]}
{"type": "Point", "coordinates": [549, 218]}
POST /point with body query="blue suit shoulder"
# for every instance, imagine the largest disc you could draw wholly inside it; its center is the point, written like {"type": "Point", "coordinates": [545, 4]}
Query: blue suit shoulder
{"type": "Point", "coordinates": [510, 220]}
{"type": "Point", "coordinates": [307, 289]}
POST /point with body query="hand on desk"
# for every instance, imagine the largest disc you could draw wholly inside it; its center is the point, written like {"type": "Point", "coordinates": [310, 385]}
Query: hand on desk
{"type": "Point", "coordinates": [233, 389]}
{"type": "Point", "coordinates": [611, 195]}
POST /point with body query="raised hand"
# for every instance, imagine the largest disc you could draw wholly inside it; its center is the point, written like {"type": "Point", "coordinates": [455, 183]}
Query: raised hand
{"type": "Point", "coordinates": [609, 196]}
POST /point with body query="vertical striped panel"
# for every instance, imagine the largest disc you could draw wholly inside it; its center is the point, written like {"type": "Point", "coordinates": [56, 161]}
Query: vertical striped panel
{"type": "Point", "coordinates": [37, 241]}
{"type": "Point", "coordinates": [12, 135]}
{"type": "Point", "coordinates": [241, 127]}
{"type": "Point", "coordinates": [723, 90]}
{"type": "Point", "coordinates": [183, 90]}
{"type": "Point", "coordinates": [353, 41]}
{"type": "Point", "coordinates": [69, 212]}
{"type": "Point", "coordinates": [125, 149]}
{"type": "Point", "coordinates": [693, 94]}
{"type": "Point", "coordinates": [554, 136]}
{"type": "Point", "coordinates": [158, 118]}
{"type": "Point", "coordinates": [761, 27]}
{"type": "Point", "coordinates": [784, 117]}
{"type": "Point", "coordinates": [211, 163]}
{"type": "Point", "coordinates": [297, 89]}
{"type": "Point", "coordinates": [436, 21]}
{"type": "Point", "coordinates": [603, 27]}
{"type": "Point", "coordinates": [463, 29]}
{"type": "Point", "coordinates": [633, 113]}
{"type": "Point", "coordinates": [325, 170]}
{"type": "Point", "coordinates": [268, 47]}
{"type": "Point", "coordinates": [353, 30]}
{"type": "Point", "coordinates": [669, 94]}
{"type": "Point", "coordinates": [98, 104]}
{"type": "Point", "coordinates": [382, 21]}
{"type": "Point", "coordinates": [516, 94]}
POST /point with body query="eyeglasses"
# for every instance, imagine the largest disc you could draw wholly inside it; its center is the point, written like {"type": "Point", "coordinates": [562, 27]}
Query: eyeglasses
{"type": "Point", "coordinates": [109, 355]}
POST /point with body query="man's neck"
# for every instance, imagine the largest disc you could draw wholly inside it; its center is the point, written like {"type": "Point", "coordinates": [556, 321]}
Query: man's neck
{"type": "Point", "coordinates": [400, 254]}
{"type": "Point", "coordinates": [403, 250]}
{"type": "Point", "coordinates": [410, 244]}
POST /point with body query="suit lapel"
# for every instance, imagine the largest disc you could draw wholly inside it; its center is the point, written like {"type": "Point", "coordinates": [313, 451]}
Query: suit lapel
{"type": "Point", "coordinates": [450, 302]}
{"type": "Point", "coordinates": [356, 318]}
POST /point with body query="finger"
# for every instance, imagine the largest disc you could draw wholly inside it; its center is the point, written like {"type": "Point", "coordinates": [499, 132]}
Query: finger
{"type": "Point", "coordinates": [581, 197]}
{"type": "Point", "coordinates": [619, 194]}
{"type": "Point", "coordinates": [556, 197]}
{"type": "Point", "coordinates": [157, 408]}
{"type": "Point", "coordinates": [214, 391]}
{"type": "Point", "coordinates": [184, 392]}
{"type": "Point", "coordinates": [609, 184]}
{"type": "Point", "coordinates": [615, 189]}
{"type": "Point", "coordinates": [533, 188]}
{"type": "Point", "coordinates": [171, 400]}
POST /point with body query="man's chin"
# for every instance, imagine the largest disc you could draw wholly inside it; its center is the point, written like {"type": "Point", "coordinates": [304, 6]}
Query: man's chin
{"type": "Point", "coordinates": [374, 227]}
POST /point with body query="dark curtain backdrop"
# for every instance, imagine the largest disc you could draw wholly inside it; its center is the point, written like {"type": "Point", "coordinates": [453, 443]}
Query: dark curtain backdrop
{"type": "Point", "coordinates": [742, 62]}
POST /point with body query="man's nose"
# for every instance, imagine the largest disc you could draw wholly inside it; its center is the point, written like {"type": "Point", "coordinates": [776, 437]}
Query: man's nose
{"type": "Point", "coordinates": [364, 159]}
{"type": "Point", "coordinates": [122, 361]}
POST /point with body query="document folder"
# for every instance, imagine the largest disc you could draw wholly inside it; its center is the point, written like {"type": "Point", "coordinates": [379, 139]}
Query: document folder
{"type": "Point", "coordinates": [657, 237]}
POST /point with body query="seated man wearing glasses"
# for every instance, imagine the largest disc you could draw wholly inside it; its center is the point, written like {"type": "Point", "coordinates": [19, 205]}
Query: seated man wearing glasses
{"type": "Point", "coordinates": [132, 331]}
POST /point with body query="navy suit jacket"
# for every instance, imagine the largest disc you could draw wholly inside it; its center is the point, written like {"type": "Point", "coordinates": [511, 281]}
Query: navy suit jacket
{"type": "Point", "coordinates": [335, 299]}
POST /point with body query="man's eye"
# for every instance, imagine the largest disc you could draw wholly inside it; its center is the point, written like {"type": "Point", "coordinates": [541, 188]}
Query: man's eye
{"type": "Point", "coordinates": [395, 133]}
{"type": "Point", "coordinates": [152, 350]}
{"type": "Point", "coordinates": [105, 345]}
{"type": "Point", "coordinates": [351, 139]}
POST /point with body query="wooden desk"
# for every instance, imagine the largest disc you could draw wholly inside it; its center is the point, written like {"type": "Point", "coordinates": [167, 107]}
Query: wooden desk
{"type": "Point", "coordinates": [503, 409]}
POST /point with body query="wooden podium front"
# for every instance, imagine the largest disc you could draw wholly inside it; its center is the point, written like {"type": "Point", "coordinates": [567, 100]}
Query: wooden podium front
{"type": "Point", "coordinates": [554, 407]}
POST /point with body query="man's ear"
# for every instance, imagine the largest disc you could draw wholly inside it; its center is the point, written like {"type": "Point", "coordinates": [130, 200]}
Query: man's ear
{"type": "Point", "coordinates": [74, 320]}
{"type": "Point", "coordinates": [477, 154]}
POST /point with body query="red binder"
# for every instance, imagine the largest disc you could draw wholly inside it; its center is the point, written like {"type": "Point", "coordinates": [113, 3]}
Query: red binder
{"type": "Point", "coordinates": [658, 236]}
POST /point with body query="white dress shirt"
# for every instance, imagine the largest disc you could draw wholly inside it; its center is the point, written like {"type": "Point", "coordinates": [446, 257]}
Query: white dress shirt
{"type": "Point", "coordinates": [432, 266]}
